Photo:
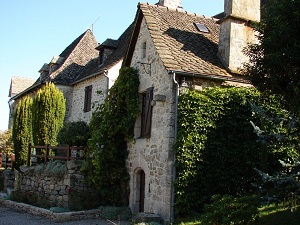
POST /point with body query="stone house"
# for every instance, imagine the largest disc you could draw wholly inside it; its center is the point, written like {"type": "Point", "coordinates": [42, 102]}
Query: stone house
{"type": "Point", "coordinates": [174, 50]}
{"type": "Point", "coordinates": [80, 71]}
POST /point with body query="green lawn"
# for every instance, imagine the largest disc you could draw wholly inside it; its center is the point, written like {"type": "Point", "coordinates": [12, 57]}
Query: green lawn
{"type": "Point", "coordinates": [270, 215]}
{"type": "Point", "coordinates": [273, 215]}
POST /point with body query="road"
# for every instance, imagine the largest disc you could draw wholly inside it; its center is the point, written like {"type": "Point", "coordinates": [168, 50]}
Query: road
{"type": "Point", "coordinates": [10, 216]}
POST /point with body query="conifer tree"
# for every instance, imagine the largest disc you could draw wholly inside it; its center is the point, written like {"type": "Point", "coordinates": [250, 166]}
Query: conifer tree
{"type": "Point", "coordinates": [22, 130]}
{"type": "Point", "coordinates": [49, 107]}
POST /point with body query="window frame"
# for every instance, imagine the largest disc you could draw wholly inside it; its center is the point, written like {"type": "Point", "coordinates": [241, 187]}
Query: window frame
{"type": "Point", "coordinates": [87, 98]}
{"type": "Point", "coordinates": [146, 115]}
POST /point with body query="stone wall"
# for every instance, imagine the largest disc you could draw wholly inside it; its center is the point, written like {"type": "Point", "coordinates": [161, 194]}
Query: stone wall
{"type": "Point", "coordinates": [70, 191]}
{"type": "Point", "coordinates": [154, 155]}
{"type": "Point", "coordinates": [8, 179]}
{"type": "Point", "coordinates": [100, 83]}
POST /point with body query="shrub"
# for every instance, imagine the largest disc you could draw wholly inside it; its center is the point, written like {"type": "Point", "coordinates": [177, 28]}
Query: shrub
{"type": "Point", "coordinates": [55, 168]}
{"type": "Point", "coordinates": [74, 134]}
{"type": "Point", "coordinates": [22, 130]}
{"type": "Point", "coordinates": [228, 210]}
{"type": "Point", "coordinates": [115, 213]}
{"type": "Point", "coordinates": [48, 114]}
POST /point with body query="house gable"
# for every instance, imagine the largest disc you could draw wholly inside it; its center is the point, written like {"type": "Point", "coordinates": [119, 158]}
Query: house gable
{"type": "Point", "coordinates": [179, 44]}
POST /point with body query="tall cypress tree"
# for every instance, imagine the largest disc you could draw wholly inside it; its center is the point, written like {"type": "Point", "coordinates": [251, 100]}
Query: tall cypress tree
{"type": "Point", "coordinates": [49, 107]}
{"type": "Point", "coordinates": [22, 130]}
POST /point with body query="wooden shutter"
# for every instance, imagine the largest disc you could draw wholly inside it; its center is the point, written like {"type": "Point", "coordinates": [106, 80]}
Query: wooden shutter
{"type": "Point", "coordinates": [88, 98]}
{"type": "Point", "coordinates": [147, 113]}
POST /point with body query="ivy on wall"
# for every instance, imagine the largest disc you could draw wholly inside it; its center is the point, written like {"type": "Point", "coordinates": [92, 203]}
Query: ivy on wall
{"type": "Point", "coordinates": [111, 126]}
{"type": "Point", "coordinates": [216, 149]}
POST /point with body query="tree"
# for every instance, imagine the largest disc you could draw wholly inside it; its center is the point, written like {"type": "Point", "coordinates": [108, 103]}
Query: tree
{"type": "Point", "coordinates": [275, 61]}
{"type": "Point", "coordinates": [22, 130]}
{"type": "Point", "coordinates": [49, 107]}
{"type": "Point", "coordinates": [6, 143]}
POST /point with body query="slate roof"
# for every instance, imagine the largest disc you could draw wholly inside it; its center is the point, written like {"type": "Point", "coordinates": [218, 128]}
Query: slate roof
{"type": "Point", "coordinates": [71, 62]}
{"type": "Point", "coordinates": [179, 44]}
{"type": "Point", "coordinates": [118, 54]}
{"type": "Point", "coordinates": [76, 56]}
{"type": "Point", "coordinates": [111, 43]}
{"type": "Point", "coordinates": [19, 84]}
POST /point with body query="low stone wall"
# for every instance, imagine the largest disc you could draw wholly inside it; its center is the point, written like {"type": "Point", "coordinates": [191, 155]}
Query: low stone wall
{"type": "Point", "coordinates": [8, 178]}
{"type": "Point", "coordinates": [69, 190]}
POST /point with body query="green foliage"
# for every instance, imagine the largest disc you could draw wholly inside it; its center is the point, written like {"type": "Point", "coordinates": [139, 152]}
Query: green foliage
{"type": "Point", "coordinates": [48, 114]}
{"type": "Point", "coordinates": [228, 210]}
{"type": "Point", "coordinates": [74, 134]}
{"type": "Point", "coordinates": [55, 168]}
{"type": "Point", "coordinates": [275, 62]}
{"type": "Point", "coordinates": [115, 213]}
{"type": "Point", "coordinates": [282, 187]}
{"type": "Point", "coordinates": [6, 142]}
{"type": "Point", "coordinates": [278, 135]}
{"type": "Point", "coordinates": [32, 198]}
{"type": "Point", "coordinates": [111, 125]}
{"type": "Point", "coordinates": [22, 130]}
{"type": "Point", "coordinates": [49, 106]}
{"type": "Point", "coordinates": [217, 150]}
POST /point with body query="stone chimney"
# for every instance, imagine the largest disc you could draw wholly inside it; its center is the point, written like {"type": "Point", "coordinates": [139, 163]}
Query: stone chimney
{"type": "Point", "coordinates": [170, 3]}
{"type": "Point", "coordinates": [235, 32]}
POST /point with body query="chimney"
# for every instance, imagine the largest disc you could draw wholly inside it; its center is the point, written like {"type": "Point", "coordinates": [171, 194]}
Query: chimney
{"type": "Point", "coordinates": [235, 32]}
{"type": "Point", "coordinates": [171, 3]}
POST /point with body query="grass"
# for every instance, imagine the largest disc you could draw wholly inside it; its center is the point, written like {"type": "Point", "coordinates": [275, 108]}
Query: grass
{"type": "Point", "coordinates": [278, 215]}
{"type": "Point", "coordinates": [268, 215]}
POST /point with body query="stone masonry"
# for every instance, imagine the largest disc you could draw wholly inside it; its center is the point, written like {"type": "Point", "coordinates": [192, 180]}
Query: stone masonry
{"type": "Point", "coordinates": [69, 191]}
{"type": "Point", "coordinates": [154, 155]}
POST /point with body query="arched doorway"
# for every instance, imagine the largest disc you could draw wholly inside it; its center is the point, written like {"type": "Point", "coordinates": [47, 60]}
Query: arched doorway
{"type": "Point", "coordinates": [141, 190]}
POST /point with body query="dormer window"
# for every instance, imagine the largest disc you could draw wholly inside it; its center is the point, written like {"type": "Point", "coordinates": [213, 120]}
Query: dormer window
{"type": "Point", "coordinates": [101, 56]}
{"type": "Point", "coordinates": [106, 49]}
{"type": "Point", "coordinates": [44, 73]}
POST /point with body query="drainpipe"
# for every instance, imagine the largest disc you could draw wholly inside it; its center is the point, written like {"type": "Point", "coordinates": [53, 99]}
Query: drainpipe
{"type": "Point", "coordinates": [175, 138]}
{"type": "Point", "coordinates": [107, 88]}
{"type": "Point", "coordinates": [9, 119]}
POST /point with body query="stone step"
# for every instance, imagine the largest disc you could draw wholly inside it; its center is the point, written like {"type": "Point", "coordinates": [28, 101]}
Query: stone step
{"type": "Point", "coordinates": [145, 217]}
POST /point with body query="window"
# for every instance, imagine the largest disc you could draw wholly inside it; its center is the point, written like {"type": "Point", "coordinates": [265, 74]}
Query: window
{"type": "Point", "coordinates": [87, 98]}
{"type": "Point", "coordinates": [101, 56]}
{"type": "Point", "coordinates": [146, 113]}
{"type": "Point", "coordinates": [144, 46]}
{"type": "Point", "coordinates": [201, 27]}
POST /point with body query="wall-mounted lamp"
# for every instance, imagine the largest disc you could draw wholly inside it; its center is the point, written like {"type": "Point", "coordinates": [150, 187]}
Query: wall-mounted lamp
{"type": "Point", "coordinates": [184, 86]}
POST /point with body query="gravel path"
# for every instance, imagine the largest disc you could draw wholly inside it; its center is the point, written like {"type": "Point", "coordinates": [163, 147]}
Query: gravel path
{"type": "Point", "coordinates": [10, 216]}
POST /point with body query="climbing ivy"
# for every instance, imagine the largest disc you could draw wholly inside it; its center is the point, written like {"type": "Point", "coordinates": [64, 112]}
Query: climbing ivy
{"type": "Point", "coordinates": [216, 149]}
{"type": "Point", "coordinates": [111, 126]}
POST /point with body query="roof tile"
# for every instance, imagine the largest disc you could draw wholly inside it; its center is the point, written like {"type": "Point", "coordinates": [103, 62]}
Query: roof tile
{"type": "Point", "coordinates": [179, 43]}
